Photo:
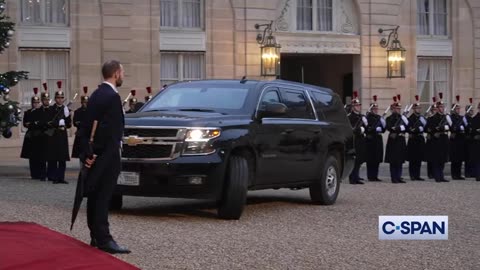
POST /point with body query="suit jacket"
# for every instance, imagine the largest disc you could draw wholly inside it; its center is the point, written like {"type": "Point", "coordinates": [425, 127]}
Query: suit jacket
{"type": "Point", "coordinates": [104, 106]}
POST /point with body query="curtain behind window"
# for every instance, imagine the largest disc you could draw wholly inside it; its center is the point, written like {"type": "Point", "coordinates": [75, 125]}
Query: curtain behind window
{"type": "Point", "coordinates": [304, 15]}
{"type": "Point", "coordinates": [169, 13]}
{"type": "Point", "coordinates": [441, 71]}
{"type": "Point", "coordinates": [31, 62]}
{"type": "Point", "coordinates": [423, 77]}
{"type": "Point", "coordinates": [55, 12]}
{"type": "Point", "coordinates": [440, 17]}
{"type": "Point", "coordinates": [324, 15]}
{"type": "Point", "coordinates": [168, 68]}
{"type": "Point", "coordinates": [423, 10]}
{"type": "Point", "coordinates": [31, 12]}
{"type": "Point", "coordinates": [193, 66]}
{"type": "Point", "coordinates": [191, 14]}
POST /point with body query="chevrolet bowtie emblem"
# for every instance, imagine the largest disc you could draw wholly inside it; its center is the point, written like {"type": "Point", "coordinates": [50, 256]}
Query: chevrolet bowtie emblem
{"type": "Point", "coordinates": [132, 140]}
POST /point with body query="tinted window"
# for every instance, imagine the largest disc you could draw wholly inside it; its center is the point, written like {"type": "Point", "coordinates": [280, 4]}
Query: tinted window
{"type": "Point", "coordinates": [321, 100]}
{"type": "Point", "coordinates": [297, 103]}
{"type": "Point", "coordinates": [270, 97]}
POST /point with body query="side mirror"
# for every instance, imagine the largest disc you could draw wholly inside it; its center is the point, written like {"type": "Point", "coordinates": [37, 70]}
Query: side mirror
{"type": "Point", "coordinates": [272, 109]}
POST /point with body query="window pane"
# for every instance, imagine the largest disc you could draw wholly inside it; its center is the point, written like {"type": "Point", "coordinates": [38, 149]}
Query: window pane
{"type": "Point", "coordinates": [31, 12]}
{"type": "Point", "coordinates": [440, 17]}
{"type": "Point", "coordinates": [423, 85]}
{"type": "Point", "coordinates": [423, 10]}
{"type": "Point", "coordinates": [192, 66]}
{"type": "Point", "coordinates": [56, 71]}
{"type": "Point", "coordinates": [55, 12]}
{"type": "Point", "coordinates": [168, 68]}
{"type": "Point", "coordinates": [304, 14]}
{"type": "Point", "coordinates": [169, 13]}
{"type": "Point", "coordinates": [31, 62]}
{"type": "Point", "coordinates": [191, 14]}
{"type": "Point", "coordinates": [297, 105]}
{"type": "Point", "coordinates": [324, 17]}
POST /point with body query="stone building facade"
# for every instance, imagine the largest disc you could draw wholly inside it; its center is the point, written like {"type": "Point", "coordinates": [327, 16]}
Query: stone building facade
{"type": "Point", "coordinates": [332, 43]}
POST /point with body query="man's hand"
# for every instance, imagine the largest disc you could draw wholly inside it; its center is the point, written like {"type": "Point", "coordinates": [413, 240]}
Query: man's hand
{"type": "Point", "coordinates": [90, 161]}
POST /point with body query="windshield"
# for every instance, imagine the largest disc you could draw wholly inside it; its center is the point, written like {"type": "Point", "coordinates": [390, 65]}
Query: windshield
{"type": "Point", "coordinates": [200, 98]}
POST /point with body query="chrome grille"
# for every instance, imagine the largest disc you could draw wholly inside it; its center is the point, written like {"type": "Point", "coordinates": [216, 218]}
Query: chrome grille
{"type": "Point", "coordinates": [151, 151]}
{"type": "Point", "coordinates": [151, 132]}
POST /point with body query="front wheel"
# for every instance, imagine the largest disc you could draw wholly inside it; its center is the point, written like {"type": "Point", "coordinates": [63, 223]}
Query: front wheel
{"type": "Point", "coordinates": [325, 190]}
{"type": "Point", "coordinates": [234, 196]}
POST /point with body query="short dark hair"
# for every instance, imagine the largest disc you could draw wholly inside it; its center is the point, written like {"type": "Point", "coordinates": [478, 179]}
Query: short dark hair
{"type": "Point", "coordinates": [109, 68]}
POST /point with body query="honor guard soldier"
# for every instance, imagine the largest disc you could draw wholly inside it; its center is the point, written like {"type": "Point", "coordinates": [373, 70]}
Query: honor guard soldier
{"type": "Point", "coordinates": [60, 121]}
{"type": "Point", "coordinates": [374, 141]}
{"type": "Point", "coordinates": [432, 112]}
{"type": "Point", "coordinates": [396, 151]}
{"type": "Point", "coordinates": [416, 141]}
{"type": "Point", "coordinates": [359, 124]}
{"type": "Point", "coordinates": [41, 118]}
{"type": "Point", "coordinates": [469, 113]}
{"type": "Point", "coordinates": [474, 148]}
{"type": "Point", "coordinates": [437, 127]}
{"type": "Point", "coordinates": [78, 117]}
{"type": "Point", "coordinates": [132, 102]}
{"type": "Point", "coordinates": [457, 140]}
{"type": "Point", "coordinates": [30, 141]}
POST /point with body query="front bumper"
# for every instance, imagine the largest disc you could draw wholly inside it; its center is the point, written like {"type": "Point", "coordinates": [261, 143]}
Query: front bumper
{"type": "Point", "coordinates": [171, 178]}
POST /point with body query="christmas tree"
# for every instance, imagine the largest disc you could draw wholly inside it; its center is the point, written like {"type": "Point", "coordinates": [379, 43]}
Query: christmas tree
{"type": "Point", "coordinates": [9, 110]}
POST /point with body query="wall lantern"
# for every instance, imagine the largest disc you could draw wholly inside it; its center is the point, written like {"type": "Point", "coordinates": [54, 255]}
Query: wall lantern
{"type": "Point", "coordinates": [269, 51]}
{"type": "Point", "coordinates": [395, 53]}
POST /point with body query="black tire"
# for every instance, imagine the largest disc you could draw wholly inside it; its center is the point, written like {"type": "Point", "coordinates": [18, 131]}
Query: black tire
{"type": "Point", "coordinates": [325, 190]}
{"type": "Point", "coordinates": [116, 203]}
{"type": "Point", "coordinates": [234, 196]}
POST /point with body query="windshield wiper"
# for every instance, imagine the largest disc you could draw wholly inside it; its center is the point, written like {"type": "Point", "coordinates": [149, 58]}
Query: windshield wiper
{"type": "Point", "coordinates": [196, 110]}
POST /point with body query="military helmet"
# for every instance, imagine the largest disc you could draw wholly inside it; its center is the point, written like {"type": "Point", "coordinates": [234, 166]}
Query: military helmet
{"type": "Point", "coordinates": [440, 101]}
{"type": "Point", "coordinates": [434, 99]}
{"type": "Point", "coordinates": [59, 92]}
{"type": "Point", "coordinates": [396, 102]}
{"type": "Point", "coordinates": [457, 103]}
{"type": "Point", "coordinates": [85, 96]}
{"type": "Point", "coordinates": [149, 94]}
{"type": "Point", "coordinates": [417, 101]}
{"type": "Point", "coordinates": [44, 96]}
{"type": "Point", "coordinates": [355, 100]}
{"type": "Point", "coordinates": [35, 98]}
{"type": "Point", "coordinates": [133, 99]}
{"type": "Point", "coordinates": [374, 104]}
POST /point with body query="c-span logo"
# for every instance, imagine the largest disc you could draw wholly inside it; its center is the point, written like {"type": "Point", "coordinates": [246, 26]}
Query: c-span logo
{"type": "Point", "coordinates": [413, 227]}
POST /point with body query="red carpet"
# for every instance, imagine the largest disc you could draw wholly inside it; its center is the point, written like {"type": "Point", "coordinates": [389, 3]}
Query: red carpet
{"type": "Point", "coordinates": [31, 246]}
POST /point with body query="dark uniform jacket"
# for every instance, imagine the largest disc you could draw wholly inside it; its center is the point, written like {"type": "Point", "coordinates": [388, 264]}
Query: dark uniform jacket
{"type": "Point", "coordinates": [57, 137]}
{"type": "Point", "coordinates": [28, 140]}
{"type": "Point", "coordinates": [40, 118]}
{"type": "Point", "coordinates": [474, 147]}
{"type": "Point", "coordinates": [457, 138]}
{"type": "Point", "coordinates": [416, 141]}
{"type": "Point", "coordinates": [78, 117]}
{"type": "Point", "coordinates": [396, 152]}
{"type": "Point", "coordinates": [438, 145]}
{"type": "Point", "coordinates": [359, 125]}
{"type": "Point", "coordinates": [374, 139]}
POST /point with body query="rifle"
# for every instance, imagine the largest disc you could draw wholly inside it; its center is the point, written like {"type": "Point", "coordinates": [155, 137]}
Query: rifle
{"type": "Point", "coordinates": [383, 115]}
{"type": "Point", "coordinates": [51, 129]}
{"type": "Point", "coordinates": [126, 100]}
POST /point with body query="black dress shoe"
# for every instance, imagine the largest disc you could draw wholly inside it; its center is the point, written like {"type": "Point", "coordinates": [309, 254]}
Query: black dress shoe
{"type": "Point", "coordinates": [401, 181]}
{"type": "Point", "coordinates": [93, 243]}
{"type": "Point", "coordinates": [60, 182]}
{"type": "Point", "coordinates": [361, 179]}
{"type": "Point", "coordinates": [413, 179]}
{"type": "Point", "coordinates": [444, 180]}
{"type": "Point", "coordinates": [359, 182]}
{"type": "Point", "coordinates": [420, 179]}
{"type": "Point", "coordinates": [113, 248]}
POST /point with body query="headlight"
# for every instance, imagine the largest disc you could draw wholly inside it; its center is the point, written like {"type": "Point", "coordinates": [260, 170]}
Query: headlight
{"type": "Point", "coordinates": [198, 141]}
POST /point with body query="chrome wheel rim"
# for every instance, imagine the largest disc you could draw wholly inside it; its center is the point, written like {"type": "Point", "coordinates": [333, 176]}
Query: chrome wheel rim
{"type": "Point", "coordinates": [331, 181]}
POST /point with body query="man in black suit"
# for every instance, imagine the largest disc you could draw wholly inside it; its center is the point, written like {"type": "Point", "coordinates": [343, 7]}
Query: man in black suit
{"type": "Point", "coordinates": [101, 134]}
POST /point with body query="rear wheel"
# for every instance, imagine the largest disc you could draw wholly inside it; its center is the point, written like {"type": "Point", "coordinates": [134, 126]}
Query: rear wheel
{"type": "Point", "coordinates": [234, 194]}
{"type": "Point", "coordinates": [116, 203]}
{"type": "Point", "coordinates": [325, 190]}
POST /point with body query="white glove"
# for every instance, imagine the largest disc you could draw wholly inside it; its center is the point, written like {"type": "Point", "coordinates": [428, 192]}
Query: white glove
{"type": "Point", "coordinates": [420, 129]}
{"type": "Point", "coordinates": [362, 130]}
{"type": "Point", "coordinates": [384, 124]}
{"type": "Point", "coordinates": [365, 121]}
{"type": "Point", "coordinates": [61, 123]}
{"type": "Point", "coordinates": [66, 112]}
{"type": "Point", "coordinates": [378, 129]}
{"type": "Point", "coordinates": [449, 120]}
{"type": "Point", "coordinates": [462, 128]}
{"type": "Point", "coordinates": [402, 128]}
{"type": "Point", "coordinates": [447, 127]}
{"type": "Point", "coordinates": [422, 119]}
{"type": "Point", "coordinates": [465, 121]}
{"type": "Point", "coordinates": [405, 120]}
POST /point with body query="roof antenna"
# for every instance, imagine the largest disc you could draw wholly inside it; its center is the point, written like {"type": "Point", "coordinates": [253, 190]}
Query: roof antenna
{"type": "Point", "coordinates": [244, 79]}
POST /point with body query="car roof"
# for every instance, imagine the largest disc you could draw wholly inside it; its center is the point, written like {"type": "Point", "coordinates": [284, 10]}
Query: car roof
{"type": "Point", "coordinates": [252, 82]}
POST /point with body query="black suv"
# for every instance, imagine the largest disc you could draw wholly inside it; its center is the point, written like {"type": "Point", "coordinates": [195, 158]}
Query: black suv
{"type": "Point", "coordinates": [216, 139]}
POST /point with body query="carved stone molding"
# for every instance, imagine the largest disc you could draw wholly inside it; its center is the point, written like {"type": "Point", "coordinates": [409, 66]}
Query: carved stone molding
{"type": "Point", "coordinates": [304, 43]}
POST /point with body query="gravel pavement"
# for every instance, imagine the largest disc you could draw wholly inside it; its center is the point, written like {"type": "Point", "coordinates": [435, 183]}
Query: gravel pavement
{"type": "Point", "coordinates": [279, 229]}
